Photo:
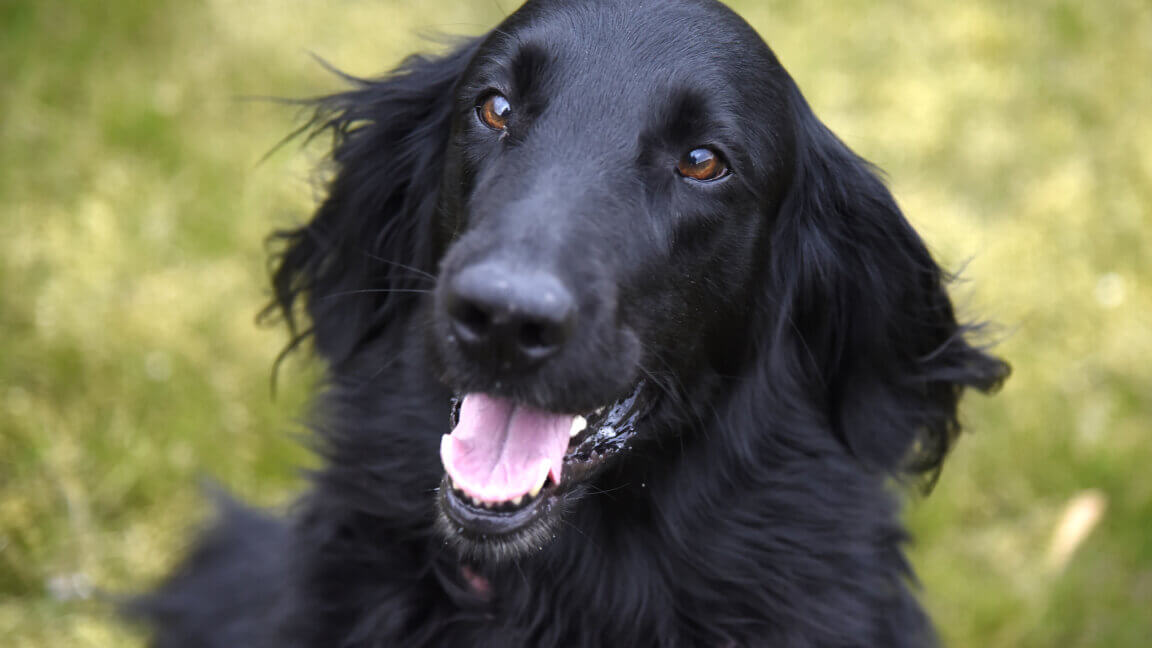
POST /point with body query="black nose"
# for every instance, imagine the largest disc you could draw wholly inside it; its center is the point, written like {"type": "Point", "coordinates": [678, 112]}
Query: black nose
{"type": "Point", "coordinates": [509, 317]}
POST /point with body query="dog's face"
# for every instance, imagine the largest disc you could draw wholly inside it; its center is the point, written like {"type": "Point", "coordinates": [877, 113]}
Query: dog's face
{"type": "Point", "coordinates": [630, 214]}
{"type": "Point", "coordinates": [606, 196]}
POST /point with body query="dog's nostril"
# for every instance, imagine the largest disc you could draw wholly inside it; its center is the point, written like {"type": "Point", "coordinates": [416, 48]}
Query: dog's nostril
{"type": "Point", "coordinates": [471, 320]}
{"type": "Point", "coordinates": [538, 339]}
{"type": "Point", "coordinates": [474, 318]}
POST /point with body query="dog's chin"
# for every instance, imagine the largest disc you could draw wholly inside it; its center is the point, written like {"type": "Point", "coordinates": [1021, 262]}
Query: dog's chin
{"type": "Point", "coordinates": [483, 530]}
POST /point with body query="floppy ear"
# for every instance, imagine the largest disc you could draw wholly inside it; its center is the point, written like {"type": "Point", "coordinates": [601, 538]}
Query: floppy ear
{"type": "Point", "coordinates": [370, 248]}
{"type": "Point", "coordinates": [864, 312]}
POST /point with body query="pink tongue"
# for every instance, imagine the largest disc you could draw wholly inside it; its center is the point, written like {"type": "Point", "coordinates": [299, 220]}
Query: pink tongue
{"type": "Point", "coordinates": [501, 450]}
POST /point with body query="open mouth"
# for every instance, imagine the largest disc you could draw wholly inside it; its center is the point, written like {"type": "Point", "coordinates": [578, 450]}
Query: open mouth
{"type": "Point", "coordinates": [506, 462]}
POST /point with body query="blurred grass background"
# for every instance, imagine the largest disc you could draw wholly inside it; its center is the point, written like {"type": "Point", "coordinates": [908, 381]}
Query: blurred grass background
{"type": "Point", "coordinates": [133, 207]}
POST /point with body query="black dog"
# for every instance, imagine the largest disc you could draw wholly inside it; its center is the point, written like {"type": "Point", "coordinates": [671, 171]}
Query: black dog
{"type": "Point", "coordinates": [625, 348]}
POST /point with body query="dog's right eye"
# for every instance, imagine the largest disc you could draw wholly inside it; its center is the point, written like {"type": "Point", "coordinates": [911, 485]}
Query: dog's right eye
{"type": "Point", "coordinates": [495, 111]}
{"type": "Point", "coordinates": [702, 165]}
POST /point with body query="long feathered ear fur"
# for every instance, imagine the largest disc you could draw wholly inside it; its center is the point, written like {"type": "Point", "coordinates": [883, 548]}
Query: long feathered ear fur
{"type": "Point", "coordinates": [370, 247]}
{"type": "Point", "coordinates": [864, 312]}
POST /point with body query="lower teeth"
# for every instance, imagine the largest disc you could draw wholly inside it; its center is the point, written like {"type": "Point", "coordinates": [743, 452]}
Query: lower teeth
{"type": "Point", "coordinates": [507, 504]}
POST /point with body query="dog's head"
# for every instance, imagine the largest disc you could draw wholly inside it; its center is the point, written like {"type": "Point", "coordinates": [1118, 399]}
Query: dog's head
{"type": "Point", "coordinates": [625, 206]}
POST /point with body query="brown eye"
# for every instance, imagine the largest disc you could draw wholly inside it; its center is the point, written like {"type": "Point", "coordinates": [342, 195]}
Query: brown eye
{"type": "Point", "coordinates": [702, 165]}
{"type": "Point", "coordinates": [495, 112]}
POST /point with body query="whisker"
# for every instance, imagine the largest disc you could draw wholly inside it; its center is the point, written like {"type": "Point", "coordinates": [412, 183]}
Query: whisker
{"type": "Point", "coordinates": [420, 273]}
{"type": "Point", "coordinates": [672, 392]}
{"type": "Point", "coordinates": [523, 576]}
{"type": "Point", "coordinates": [369, 291]}
{"type": "Point", "coordinates": [577, 529]}
{"type": "Point", "coordinates": [359, 384]}
{"type": "Point", "coordinates": [593, 490]}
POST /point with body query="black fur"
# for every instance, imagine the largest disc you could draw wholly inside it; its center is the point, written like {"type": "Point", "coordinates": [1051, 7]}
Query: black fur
{"type": "Point", "coordinates": [800, 352]}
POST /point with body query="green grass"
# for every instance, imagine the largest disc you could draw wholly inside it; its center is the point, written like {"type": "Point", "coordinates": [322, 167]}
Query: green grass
{"type": "Point", "coordinates": [133, 207]}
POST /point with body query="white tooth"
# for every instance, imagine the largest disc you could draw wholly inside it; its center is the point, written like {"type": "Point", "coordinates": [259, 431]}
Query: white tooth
{"type": "Point", "coordinates": [578, 425]}
{"type": "Point", "coordinates": [517, 501]}
{"type": "Point", "coordinates": [539, 485]}
{"type": "Point", "coordinates": [544, 468]}
{"type": "Point", "coordinates": [600, 410]}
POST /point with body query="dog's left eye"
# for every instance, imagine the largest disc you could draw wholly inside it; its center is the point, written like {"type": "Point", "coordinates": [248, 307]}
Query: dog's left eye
{"type": "Point", "coordinates": [495, 111]}
{"type": "Point", "coordinates": [702, 165]}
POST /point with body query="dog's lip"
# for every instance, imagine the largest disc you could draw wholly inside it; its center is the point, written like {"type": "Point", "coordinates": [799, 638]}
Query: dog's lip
{"type": "Point", "coordinates": [486, 522]}
{"type": "Point", "coordinates": [608, 428]}
{"type": "Point", "coordinates": [608, 431]}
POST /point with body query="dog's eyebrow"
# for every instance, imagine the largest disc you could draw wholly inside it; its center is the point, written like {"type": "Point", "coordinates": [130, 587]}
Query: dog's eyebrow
{"type": "Point", "coordinates": [517, 68]}
{"type": "Point", "coordinates": [685, 112]}
{"type": "Point", "coordinates": [529, 69]}
{"type": "Point", "coordinates": [690, 115]}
